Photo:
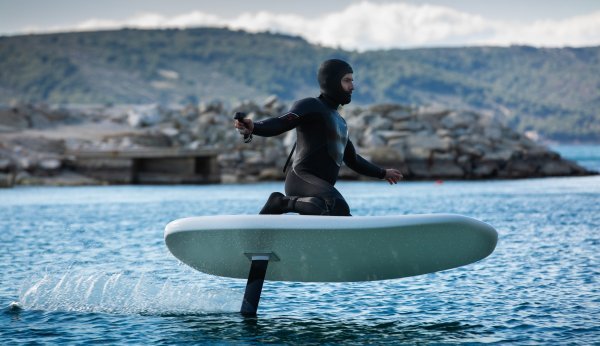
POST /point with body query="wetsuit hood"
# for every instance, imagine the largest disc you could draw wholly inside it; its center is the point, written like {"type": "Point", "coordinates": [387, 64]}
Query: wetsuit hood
{"type": "Point", "coordinates": [330, 80]}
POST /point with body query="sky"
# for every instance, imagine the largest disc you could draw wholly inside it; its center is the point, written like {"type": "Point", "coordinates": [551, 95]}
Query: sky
{"type": "Point", "coordinates": [350, 24]}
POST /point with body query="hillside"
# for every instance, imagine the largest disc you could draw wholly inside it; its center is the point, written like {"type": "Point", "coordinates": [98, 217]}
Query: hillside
{"type": "Point", "coordinates": [552, 91]}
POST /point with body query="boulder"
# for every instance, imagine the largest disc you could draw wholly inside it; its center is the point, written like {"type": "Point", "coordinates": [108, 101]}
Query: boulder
{"type": "Point", "coordinates": [372, 140]}
{"type": "Point", "coordinates": [270, 174]}
{"type": "Point", "coordinates": [253, 157]}
{"type": "Point", "coordinates": [7, 180]}
{"type": "Point", "coordinates": [464, 161]}
{"type": "Point", "coordinates": [391, 135]}
{"type": "Point", "coordinates": [417, 153]}
{"type": "Point", "coordinates": [398, 144]}
{"type": "Point", "coordinates": [432, 116]}
{"type": "Point", "coordinates": [228, 178]}
{"type": "Point", "coordinates": [189, 113]}
{"type": "Point", "coordinates": [58, 115]}
{"type": "Point", "coordinates": [456, 120]}
{"type": "Point", "coordinates": [379, 123]}
{"type": "Point", "coordinates": [484, 169]}
{"type": "Point", "coordinates": [443, 156]}
{"type": "Point", "coordinates": [40, 144]}
{"type": "Point", "coordinates": [215, 106]}
{"type": "Point", "coordinates": [356, 123]}
{"type": "Point", "coordinates": [556, 168]}
{"type": "Point", "coordinates": [38, 120]}
{"type": "Point", "coordinates": [475, 138]}
{"type": "Point", "coordinates": [408, 125]}
{"type": "Point", "coordinates": [493, 133]}
{"type": "Point", "coordinates": [204, 122]}
{"type": "Point", "coordinates": [540, 152]}
{"type": "Point", "coordinates": [195, 145]}
{"type": "Point", "coordinates": [11, 119]}
{"type": "Point", "coordinates": [501, 154]}
{"type": "Point", "coordinates": [386, 108]}
{"type": "Point", "coordinates": [49, 164]}
{"type": "Point", "coordinates": [470, 150]}
{"type": "Point", "coordinates": [144, 116]}
{"type": "Point", "coordinates": [429, 142]}
{"type": "Point", "coordinates": [400, 114]}
{"type": "Point", "coordinates": [368, 117]}
{"type": "Point", "coordinates": [443, 133]}
{"type": "Point", "coordinates": [271, 155]}
{"type": "Point", "coordinates": [23, 163]}
{"type": "Point", "coordinates": [170, 132]}
{"type": "Point", "coordinates": [244, 107]}
{"type": "Point", "coordinates": [446, 169]}
{"type": "Point", "coordinates": [519, 169]}
{"type": "Point", "coordinates": [385, 156]}
{"type": "Point", "coordinates": [270, 101]}
{"type": "Point", "coordinates": [440, 169]}
{"type": "Point", "coordinates": [6, 165]}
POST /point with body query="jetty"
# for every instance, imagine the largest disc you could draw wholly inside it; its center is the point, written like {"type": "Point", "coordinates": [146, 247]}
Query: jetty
{"type": "Point", "coordinates": [148, 166]}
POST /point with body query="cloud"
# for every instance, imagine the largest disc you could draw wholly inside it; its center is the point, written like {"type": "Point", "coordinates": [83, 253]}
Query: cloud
{"type": "Point", "coordinates": [576, 31]}
{"type": "Point", "coordinates": [367, 25]}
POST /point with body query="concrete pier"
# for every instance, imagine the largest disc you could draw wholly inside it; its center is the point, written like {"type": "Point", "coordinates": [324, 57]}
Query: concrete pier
{"type": "Point", "coordinates": [148, 166]}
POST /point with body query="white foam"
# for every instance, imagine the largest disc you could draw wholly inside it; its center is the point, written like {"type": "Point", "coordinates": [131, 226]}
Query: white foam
{"type": "Point", "coordinates": [125, 294]}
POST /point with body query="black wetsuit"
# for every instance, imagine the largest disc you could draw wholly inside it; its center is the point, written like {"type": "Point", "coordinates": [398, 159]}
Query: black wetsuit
{"type": "Point", "coordinates": [322, 145]}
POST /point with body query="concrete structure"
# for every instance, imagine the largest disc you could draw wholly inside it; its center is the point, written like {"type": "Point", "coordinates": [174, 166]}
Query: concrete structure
{"type": "Point", "coordinates": [148, 166]}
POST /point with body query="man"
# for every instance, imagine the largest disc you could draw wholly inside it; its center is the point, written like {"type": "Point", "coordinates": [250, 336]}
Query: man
{"type": "Point", "coordinates": [322, 145]}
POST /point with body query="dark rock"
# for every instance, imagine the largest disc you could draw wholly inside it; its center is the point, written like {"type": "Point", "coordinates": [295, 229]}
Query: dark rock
{"type": "Point", "coordinates": [557, 168]}
{"type": "Point", "coordinates": [269, 174]}
{"type": "Point", "coordinates": [7, 180]}
{"type": "Point", "coordinates": [212, 106]}
{"type": "Point", "coordinates": [6, 165]}
{"type": "Point", "coordinates": [444, 169]}
{"type": "Point", "coordinates": [484, 169]}
{"type": "Point", "coordinates": [40, 144]}
{"type": "Point", "coordinates": [11, 119]}
{"type": "Point", "coordinates": [386, 109]}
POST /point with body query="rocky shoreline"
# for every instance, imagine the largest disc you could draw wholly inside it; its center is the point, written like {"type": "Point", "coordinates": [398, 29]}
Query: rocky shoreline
{"type": "Point", "coordinates": [39, 143]}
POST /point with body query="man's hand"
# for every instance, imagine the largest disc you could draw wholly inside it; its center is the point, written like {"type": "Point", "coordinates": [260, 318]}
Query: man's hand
{"type": "Point", "coordinates": [393, 175]}
{"type": "Point", "coordinates": [244, 128]}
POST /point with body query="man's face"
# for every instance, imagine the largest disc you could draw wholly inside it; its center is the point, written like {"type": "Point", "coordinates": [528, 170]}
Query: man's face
{"type": "Point", "coordinates": [348, 83]}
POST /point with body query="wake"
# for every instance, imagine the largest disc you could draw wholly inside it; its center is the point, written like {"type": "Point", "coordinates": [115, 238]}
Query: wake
{"type": "Point", "coordinates": [123, 293]}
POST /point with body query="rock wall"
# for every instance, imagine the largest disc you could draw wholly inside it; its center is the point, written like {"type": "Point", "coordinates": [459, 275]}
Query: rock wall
{"type": "Point", "coordinates": [36, 141]}
{"type": "Point", "coordinates": [429, 143]}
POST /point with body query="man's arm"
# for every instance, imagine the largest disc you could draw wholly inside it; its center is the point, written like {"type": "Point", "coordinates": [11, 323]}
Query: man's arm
{"type": "Point", "coordinates": [276, 126]}
{"type": "Point", "coordinates": [268, 127]}
{"type": "Point", "coordinates": [299, 112]}
{"type": "Point", "coordinates": [358, 164]}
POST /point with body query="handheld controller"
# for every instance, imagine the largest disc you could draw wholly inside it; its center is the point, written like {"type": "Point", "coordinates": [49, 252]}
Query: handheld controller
{"type": "Point", "coordinates": [239, 116]}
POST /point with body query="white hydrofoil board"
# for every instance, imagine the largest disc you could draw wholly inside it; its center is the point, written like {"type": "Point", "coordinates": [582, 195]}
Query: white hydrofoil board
{"type": "Point", "coordinates": [330, 248]}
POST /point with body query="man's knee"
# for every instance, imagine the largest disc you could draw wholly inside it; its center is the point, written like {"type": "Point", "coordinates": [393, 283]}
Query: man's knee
{"type": "Point", "coordinates": [338, 207]}
{"type": "Point", "coordinates": [322, 206]}
{"type": "Point", "coordinates": [311, 206]}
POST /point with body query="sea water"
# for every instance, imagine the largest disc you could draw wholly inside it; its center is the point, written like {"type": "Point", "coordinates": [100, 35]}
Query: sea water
{"type": "Point", "coordinates": [81, 265]}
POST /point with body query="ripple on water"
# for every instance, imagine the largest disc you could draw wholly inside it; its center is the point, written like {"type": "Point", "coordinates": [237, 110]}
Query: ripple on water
{"type": "Point", "coordinates": [89, 265]}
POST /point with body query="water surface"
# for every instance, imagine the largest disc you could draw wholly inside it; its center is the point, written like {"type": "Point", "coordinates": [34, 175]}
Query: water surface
{"type": "Point", "coordinates": [89, 264]}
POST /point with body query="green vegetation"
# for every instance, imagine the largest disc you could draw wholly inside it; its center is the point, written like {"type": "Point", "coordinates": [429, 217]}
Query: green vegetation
{"type": "Point", "coordinates": [553, 91]}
